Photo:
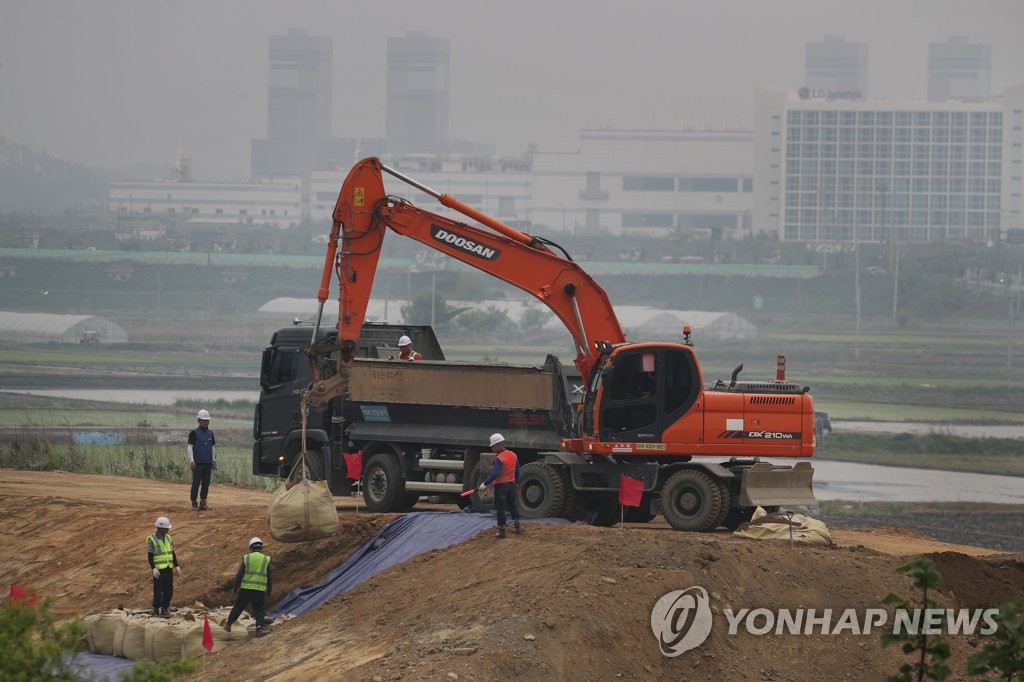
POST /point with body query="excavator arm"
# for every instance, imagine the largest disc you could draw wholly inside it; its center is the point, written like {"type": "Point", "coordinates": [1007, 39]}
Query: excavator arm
{"type": "Point", "coordinates": [363, 214]}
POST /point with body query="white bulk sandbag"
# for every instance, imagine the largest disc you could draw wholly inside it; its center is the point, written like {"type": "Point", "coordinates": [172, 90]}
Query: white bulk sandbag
{"type": "Point", "coordinates": [192, 638]}
{"type": "Point", "coordinates": [119, 630]}
{"type": "Point", "coordinates": [303, 511]}
{"type": "Point", "coordinates": [163, 640]}
{"type": "Point", "coordinates": [801, 528]}
{"type": "Point", "coordinates": [133, 641]}
{"type": "Point", "coordinates": [102, 629]}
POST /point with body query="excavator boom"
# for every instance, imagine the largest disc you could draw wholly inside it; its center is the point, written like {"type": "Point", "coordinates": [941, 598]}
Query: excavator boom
{"type": "Point", "coordinates": [363, 214]}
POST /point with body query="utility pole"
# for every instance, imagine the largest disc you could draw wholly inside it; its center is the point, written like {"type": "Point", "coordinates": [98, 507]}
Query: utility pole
{"type": "Point", "coordinates": [896, 285]}
{"type": "Point", "coordinates": [1009, 348]}
{"type": "Point", "coordinates": [856, 293]}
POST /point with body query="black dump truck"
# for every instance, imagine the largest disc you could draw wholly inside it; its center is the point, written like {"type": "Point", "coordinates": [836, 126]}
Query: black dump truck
{"type": "Point", "coordinates": [422, 427]}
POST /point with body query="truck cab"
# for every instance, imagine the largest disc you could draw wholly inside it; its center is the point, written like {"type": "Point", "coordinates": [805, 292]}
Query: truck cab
{"type": "Point", "coordinates": [285, 373]}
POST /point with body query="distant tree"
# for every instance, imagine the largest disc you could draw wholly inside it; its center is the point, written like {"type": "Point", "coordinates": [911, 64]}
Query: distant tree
{"type": "Point", "coordinates": [417, 311]}
{"type": "Point", "coordinates": [534, 318]}
{"type": "Point", "coordinates": [490, 321]}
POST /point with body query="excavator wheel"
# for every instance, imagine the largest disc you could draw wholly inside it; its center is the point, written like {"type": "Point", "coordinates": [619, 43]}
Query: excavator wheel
{"type": "Point", "coordinates": [724, 515]}
{"type": "Point", "coordinates": [572, 507]}
{"type": "Point", "coordinates": [692, 500]}
{"type": "Point", "coordinates": [541, 491]}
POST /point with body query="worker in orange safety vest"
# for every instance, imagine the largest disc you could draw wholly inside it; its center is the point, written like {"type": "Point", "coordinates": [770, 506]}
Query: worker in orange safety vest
{"type": "Point", "coordinates": [505, 476]}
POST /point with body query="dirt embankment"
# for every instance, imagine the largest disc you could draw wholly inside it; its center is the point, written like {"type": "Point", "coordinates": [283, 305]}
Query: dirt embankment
{"type": "Point", "coordinates": [561, 602]}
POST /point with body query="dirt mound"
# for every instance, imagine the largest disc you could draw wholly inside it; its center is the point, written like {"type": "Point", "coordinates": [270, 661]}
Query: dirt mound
{"type": "Point", "coordinates": [560, 602]}
{"type": "Point", "coordinates": [979, 584]}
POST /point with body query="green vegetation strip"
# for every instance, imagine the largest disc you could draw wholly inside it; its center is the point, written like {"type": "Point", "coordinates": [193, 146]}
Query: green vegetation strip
{"type": "Point", "coordinates": [887, 412]}
{"type": "Point", "coordinates": [999, 456]}
{"type": "Point", "coordinates": [164, 462]}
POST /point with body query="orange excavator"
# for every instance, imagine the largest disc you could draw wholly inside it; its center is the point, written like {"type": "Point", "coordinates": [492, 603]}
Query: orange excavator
{"type": "Point", "coordinates": [646, 412]}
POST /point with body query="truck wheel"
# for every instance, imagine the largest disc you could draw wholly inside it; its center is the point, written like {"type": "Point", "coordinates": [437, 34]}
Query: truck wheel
{"type": "Point", "coordinates": [541, 491]}
{"type": "Point", "coordinates": [481, 502]}
{"type": "Point", "coordinates": [691, 500]}
{"type": "Point", "coordinates": [383, 487]}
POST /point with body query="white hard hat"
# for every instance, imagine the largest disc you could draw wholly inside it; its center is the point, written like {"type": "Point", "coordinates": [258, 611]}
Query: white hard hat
{"type": "Point", "coordinates": [404, 341]}
{"type": "Point", "coordinates": [255, 541]}
{"type": "Point", "coordinates": [203, 414]}
{"type": "Point", "coordinates": [163, 522]}
{"type": "Point", "coordinates": [497, 438]}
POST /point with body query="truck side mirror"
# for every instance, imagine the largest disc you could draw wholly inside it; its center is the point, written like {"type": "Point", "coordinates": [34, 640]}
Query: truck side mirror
{"type": "Point", "coordinates": [265, 365]}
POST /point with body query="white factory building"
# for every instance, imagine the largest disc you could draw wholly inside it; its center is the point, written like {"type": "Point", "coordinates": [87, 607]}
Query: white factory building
{"type": "Point", "coordinates": [814, 169]}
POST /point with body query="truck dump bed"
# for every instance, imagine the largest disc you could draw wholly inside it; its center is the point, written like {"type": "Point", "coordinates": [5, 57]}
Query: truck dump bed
{"type": "Point", "coordinates": [450, 383]}
{"type": "Point", "coordinates": [460, 403]}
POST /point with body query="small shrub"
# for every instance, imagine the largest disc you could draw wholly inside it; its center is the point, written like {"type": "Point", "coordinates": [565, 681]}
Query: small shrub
{"type": "Point", "coordinates": [34, 647]}
{"type": "Point", "coordinates": [933, 653]}
{"type": "Point", "coordinates": [1003, 654]}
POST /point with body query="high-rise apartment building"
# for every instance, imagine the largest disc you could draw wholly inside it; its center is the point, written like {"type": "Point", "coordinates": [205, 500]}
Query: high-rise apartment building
{"type": "Point", "coordinates": [299, 136]}
{"type": "Point", "coordinates": [418, 87]}
{"type": "Point", "coordinates": [959, 70]}
{"type": "Point", "coordinates": [883, 171]}
{"type": "Point", "coordinates": [836, 69]}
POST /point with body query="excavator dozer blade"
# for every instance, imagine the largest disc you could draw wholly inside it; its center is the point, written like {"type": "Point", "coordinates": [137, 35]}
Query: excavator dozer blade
{"type": "Point", "coordinates": [766, 485]}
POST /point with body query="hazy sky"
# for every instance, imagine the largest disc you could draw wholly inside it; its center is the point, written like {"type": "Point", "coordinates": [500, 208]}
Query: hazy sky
{"type": "Point", "coordinates": [108, 82]}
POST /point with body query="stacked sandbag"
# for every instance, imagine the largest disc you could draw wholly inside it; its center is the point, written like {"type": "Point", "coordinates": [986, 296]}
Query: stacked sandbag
{"type": "Point", "coordinates": [102, 627]}
{"type": "Point", "coordinates": [302, 509]}
{"type": "Point", "coordinates": [130, 640]}
{"type": "Point", "coordinates": [764, 526]}
{"type": "Point", "coordinates": [138, 635]}
{"type": "Point", "coordinates": [162, 640]}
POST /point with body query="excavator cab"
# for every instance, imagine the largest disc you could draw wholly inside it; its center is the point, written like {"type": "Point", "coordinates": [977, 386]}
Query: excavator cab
{"type": "Point", "coordinates": [639, 391]}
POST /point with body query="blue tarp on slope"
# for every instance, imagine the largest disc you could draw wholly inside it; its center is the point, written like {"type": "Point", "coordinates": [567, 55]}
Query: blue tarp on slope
{"type": "Point", "coordinates": [100, 667]}
{"type": "Point", "coordinates": [402, 539]}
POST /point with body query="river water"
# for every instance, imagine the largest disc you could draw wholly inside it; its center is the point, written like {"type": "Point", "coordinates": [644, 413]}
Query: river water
{"type": "Point", "coordinates": [137, 396]}
{"type": "Point", "coordinates": [871, 482]}
{"type": "Point", "coordinates": [832, 480]}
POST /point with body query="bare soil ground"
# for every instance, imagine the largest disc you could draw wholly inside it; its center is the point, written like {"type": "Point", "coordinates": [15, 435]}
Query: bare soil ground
{"type": "Point", "coordinates": [560, 602]}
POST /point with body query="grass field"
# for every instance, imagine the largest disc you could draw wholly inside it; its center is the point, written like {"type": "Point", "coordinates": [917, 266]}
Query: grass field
{"type": "Point", "coordinates": [862, 411]}
{"type": "Point", "coordinates": [1000, 456]}
{"type": "Point", "coordinates": [167, 462]}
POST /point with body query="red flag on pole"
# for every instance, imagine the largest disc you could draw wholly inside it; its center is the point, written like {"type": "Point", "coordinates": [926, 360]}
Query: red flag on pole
{"type": "Point", "coordinates": [630, 491]}
{"type": "Point", "coordinates": [207, 633]}
{"type": "Point", "coordinates": [354, 465]}
{"type": "Point", "coordinates": [21, 595]}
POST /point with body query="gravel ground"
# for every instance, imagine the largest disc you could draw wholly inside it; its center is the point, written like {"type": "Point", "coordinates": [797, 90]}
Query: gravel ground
{"type": "Point", "coordinates": [995, 526]}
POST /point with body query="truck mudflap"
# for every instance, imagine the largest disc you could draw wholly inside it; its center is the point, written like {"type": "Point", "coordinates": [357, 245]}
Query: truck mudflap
{"type": "Point", "coordinates": [767, 485]}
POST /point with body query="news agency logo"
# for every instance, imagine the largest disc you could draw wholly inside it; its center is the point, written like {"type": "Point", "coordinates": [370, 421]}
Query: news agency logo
{"type": "Point", "coordinates": [681, 620]}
